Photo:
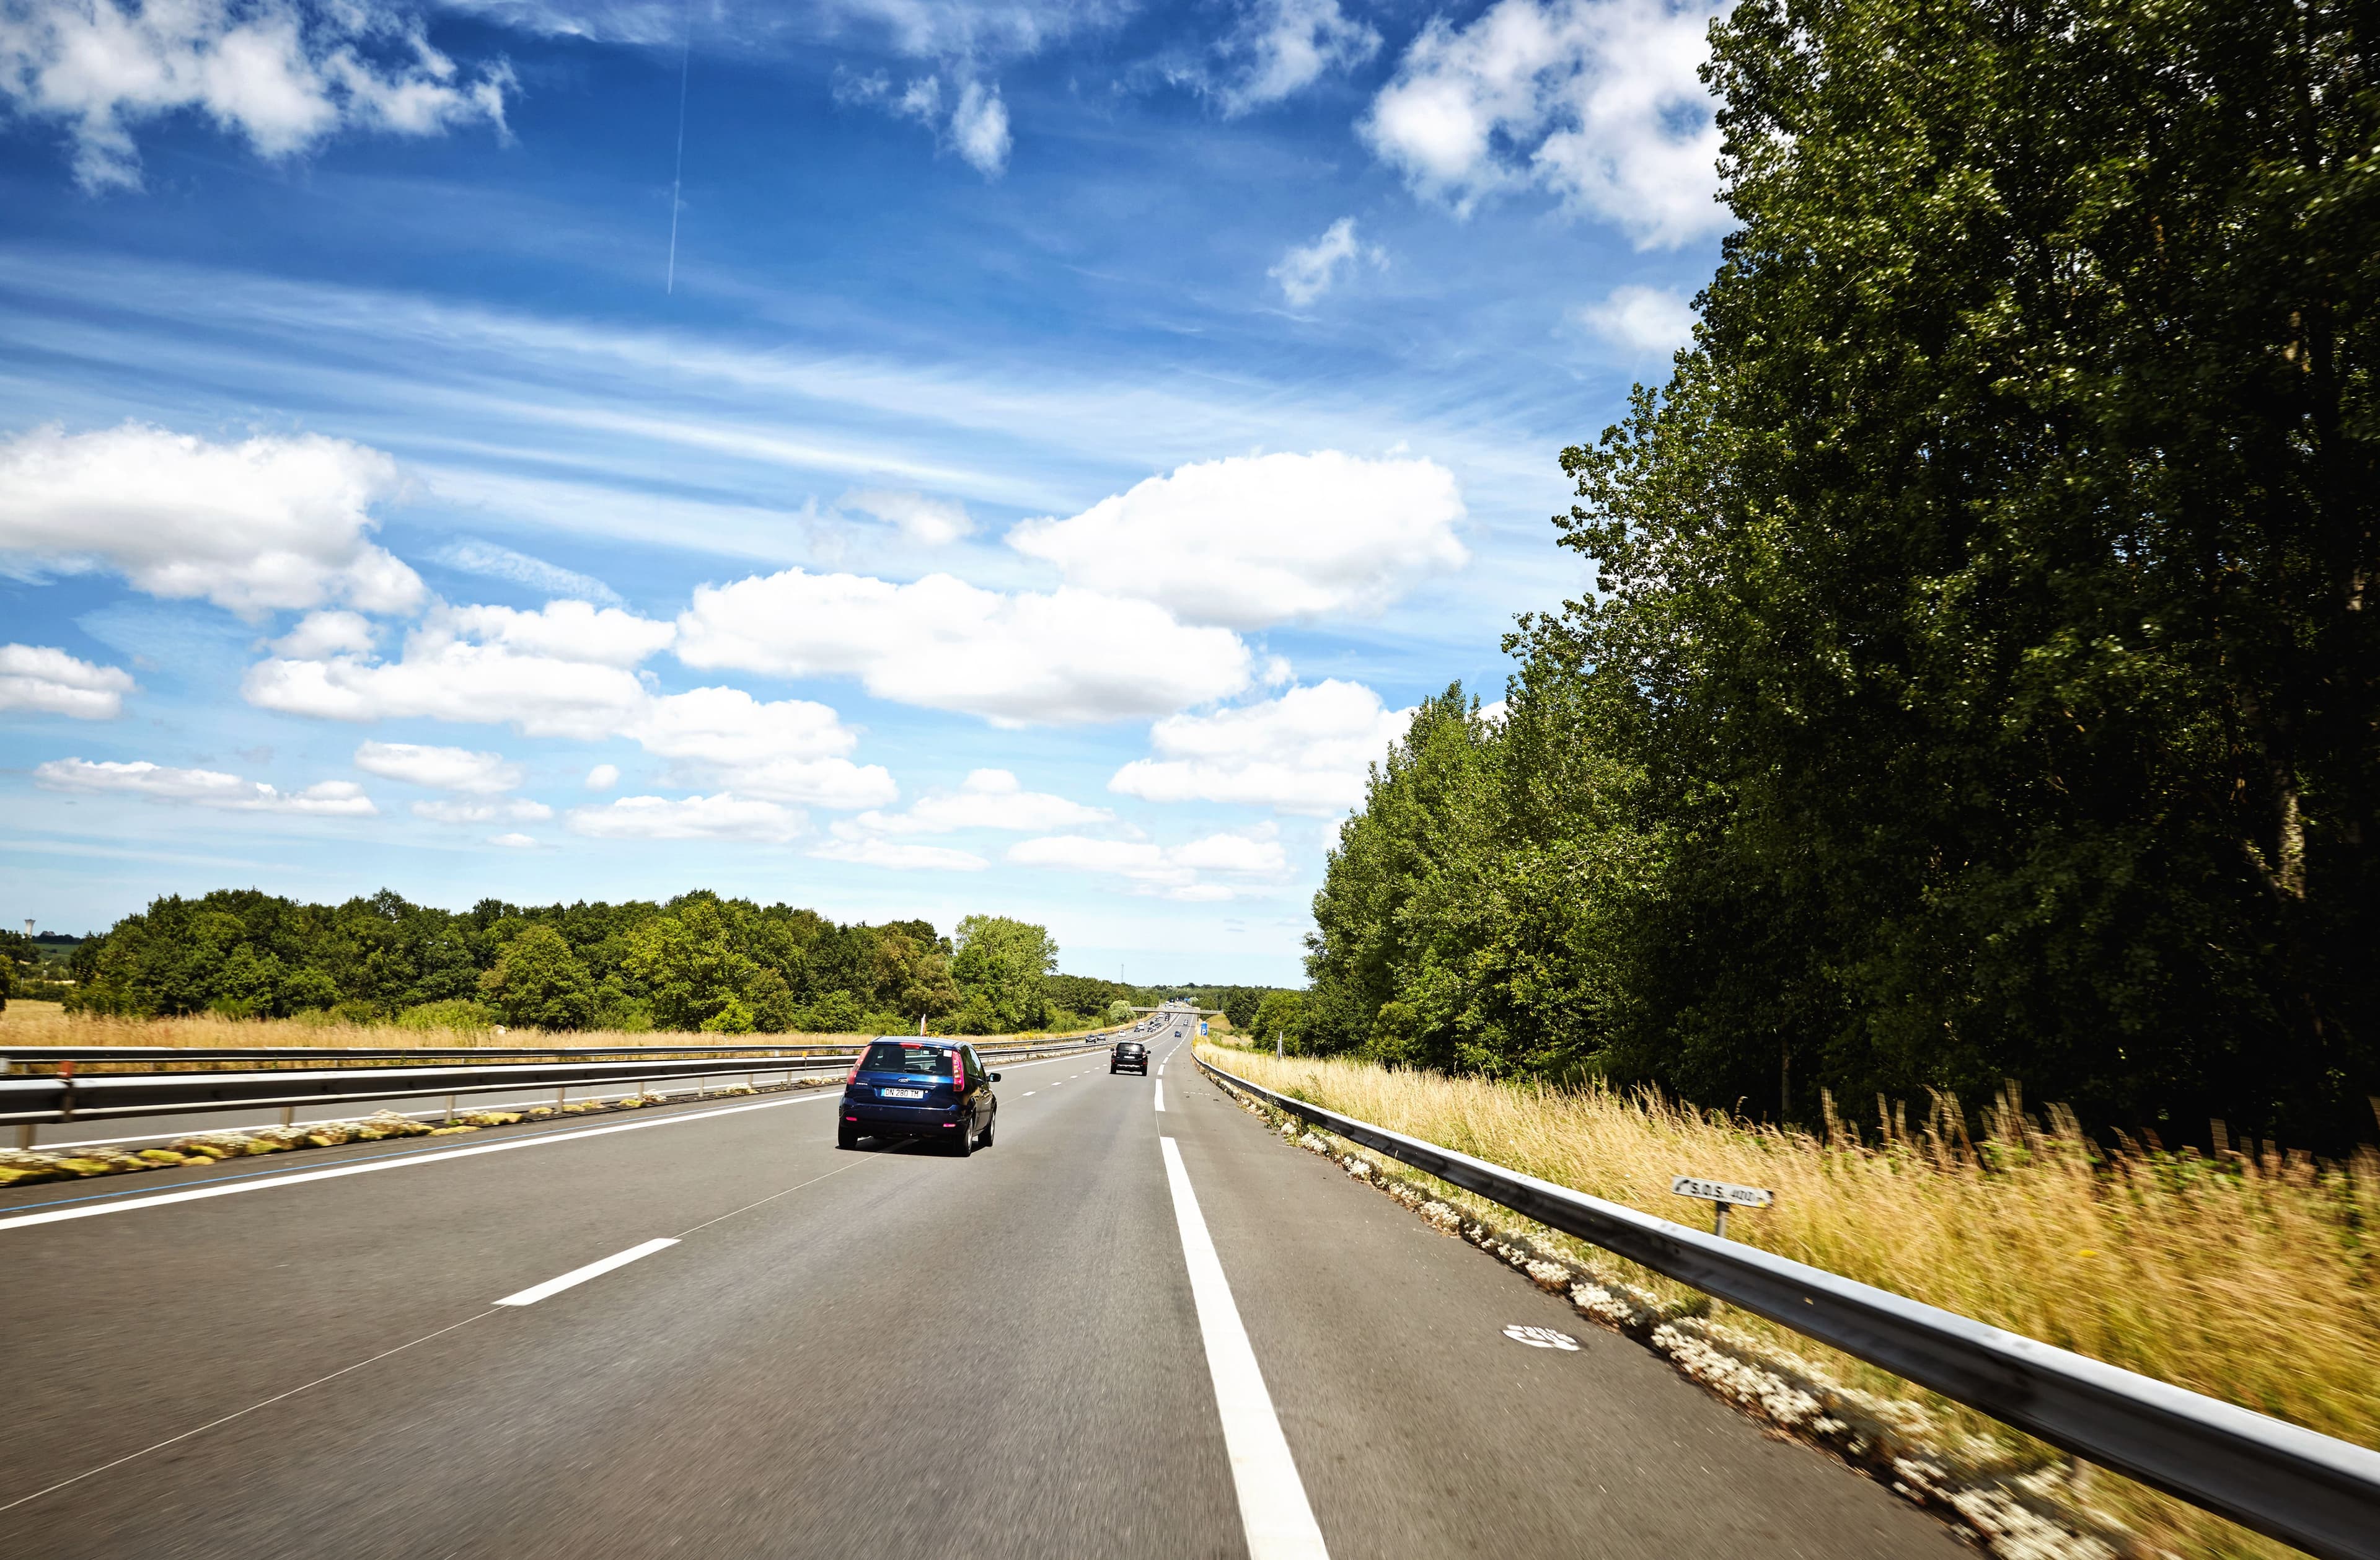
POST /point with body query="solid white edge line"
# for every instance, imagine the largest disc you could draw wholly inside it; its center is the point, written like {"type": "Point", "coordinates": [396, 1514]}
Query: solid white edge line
{"type": "Point", "coordinates": [1161, 1093]}
{"type": "Point", "coordinates": [1274, 1514]}
{"type": "Point", "coordinates": [537, 1292]}
{"type": "Point", "coordinates": [428, 1156]}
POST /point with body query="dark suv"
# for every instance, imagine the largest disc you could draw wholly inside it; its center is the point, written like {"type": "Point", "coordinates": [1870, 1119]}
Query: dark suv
{"type": "Point", "coordinates": [1129, 1054]}
{"type": "Point", "coordinates": [919, 1089]}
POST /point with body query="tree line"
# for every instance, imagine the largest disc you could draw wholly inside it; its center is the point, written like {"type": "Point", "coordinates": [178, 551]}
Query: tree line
{"type": "Point", "coordinates": [1979, 680]}
{"type": "Point", "coordinates": [700, 961]}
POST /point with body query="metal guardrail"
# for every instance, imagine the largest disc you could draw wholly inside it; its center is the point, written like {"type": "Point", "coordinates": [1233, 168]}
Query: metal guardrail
{"type": "Point", "coordinates": [30, 1101]}
{"type": "Point", "coordinates": [2314, 1491]}
{"type": "Point", "coordinates": [12, 1055]}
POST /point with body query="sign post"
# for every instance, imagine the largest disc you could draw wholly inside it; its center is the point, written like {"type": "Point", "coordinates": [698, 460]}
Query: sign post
{"type": "Point", "coordinates": [1720, 1195]}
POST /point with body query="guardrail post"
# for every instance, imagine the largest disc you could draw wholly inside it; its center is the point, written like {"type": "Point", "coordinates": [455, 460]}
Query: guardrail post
{"type": "Point", "coordinates": [289, 1116]}
{"type": "Point", "coordinates": [25, 1136]}
{"type": "Point", "coordinates": [450, 1110]}
{"type": "Point", "coordinates": [561, 1099]}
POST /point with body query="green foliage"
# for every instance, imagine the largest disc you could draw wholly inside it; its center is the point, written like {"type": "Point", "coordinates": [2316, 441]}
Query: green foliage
{"type": "Point", "coordinates": [1280, 1013]}
{"type": "Point", "coordinates": [700, 962]}
{"type": "Point", "coordinates": [1980, 681]}
{"type": "Point", "coordinates": [1003, 963]}
{"type": "Point", "coordinates": [539, 983]}
{"type": "Point", "coordinates": [1119, 1012]}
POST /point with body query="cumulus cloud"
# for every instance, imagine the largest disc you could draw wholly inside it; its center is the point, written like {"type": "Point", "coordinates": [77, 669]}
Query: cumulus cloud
{"type": "Point", "coordinates": [1014, 659]}
{"type": "Point", "coordinates": [281, 74]}
{"type": "Point", "coordinates": [1256, 540]}
{"type": "Point", "coordinates": [520, 810]}
{"type": "Point", "coordinates": [930, 522]}
{"type": "Point", "coordinates": [1306, 751]}
{"type": "Point", "coordinates": [719, 817]}
{"type": "Point", "coordinates": [329, 633]}
{"type": "Point", "coordinates": [470, 556]}
{"type": "Point", "coordinates": [602, 777]}
{"type": "Point", "coordinates": [988, 799]}
{"type": "Point", "coordinates": [1308, 271]}
{"type": "Point", "coordinates": [202, 787]}
{"type": "Point", "coordinates": [790, 749]}
{"type": "Point", "coordinates": [567, 630]}
{"type": "Point", "coordinates": [1597, 100]}
{"type": "Point", "coordinates": [514, 841]}
{"type": "Point", "coordinates": [1174, 871]}
{"type": "Point", "coordinates": [53, 683]}
{"type": "Point", "coordinates": [875, 852]}
{"type": "Point", "coordinates": [445, 769]}
{"type": "Point", "coordinates": [268, 523]}
{"type": "Point", "coordinates": [1641, 321]}
{"type": "Point", "coordinates": [980, 129]}
{"type": "Point", "coordinates": [1280, 48]}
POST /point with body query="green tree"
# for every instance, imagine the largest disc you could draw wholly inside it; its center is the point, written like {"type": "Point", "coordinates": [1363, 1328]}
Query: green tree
{"type": "Point", "coordinates": [1280, 1013]}
{"type": "Point", "coordinates": [1004, 962]}
{"type": "Point", "coordinates": [537, 982]}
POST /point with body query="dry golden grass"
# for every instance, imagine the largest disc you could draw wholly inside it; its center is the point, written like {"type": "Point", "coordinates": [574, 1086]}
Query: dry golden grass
{"type": "Point", "coordinates": [2252, 1279]}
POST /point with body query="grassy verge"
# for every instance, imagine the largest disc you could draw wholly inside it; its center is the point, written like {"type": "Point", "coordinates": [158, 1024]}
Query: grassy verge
{"type": "Point", "coordinates": [2250, 1277]}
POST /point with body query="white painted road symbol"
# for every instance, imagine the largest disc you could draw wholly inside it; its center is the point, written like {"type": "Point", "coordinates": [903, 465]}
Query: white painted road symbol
{"type": "Point", "coordinates": [1541, 1337]}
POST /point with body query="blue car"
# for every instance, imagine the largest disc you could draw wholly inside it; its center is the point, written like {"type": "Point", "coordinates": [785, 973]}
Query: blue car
{"type": "Point", "coordinates": [927, 1088]}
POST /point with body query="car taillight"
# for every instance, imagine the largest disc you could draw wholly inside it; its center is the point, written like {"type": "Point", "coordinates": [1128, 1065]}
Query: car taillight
{"type": "Point", "coordinates": [853, 1076]}
{"type": "Point", "coordinates": [958, 1073]}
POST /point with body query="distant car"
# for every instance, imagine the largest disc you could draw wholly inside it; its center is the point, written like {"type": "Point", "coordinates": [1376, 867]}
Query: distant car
{"type": "Point", "coordinates": [932, 1089]}
{"type": "Point", "coordinates": [1129, 1054]}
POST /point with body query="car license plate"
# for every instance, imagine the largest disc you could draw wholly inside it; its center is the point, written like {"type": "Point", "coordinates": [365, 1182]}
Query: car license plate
{"type": "Point", "coordinates": [903, 1093]}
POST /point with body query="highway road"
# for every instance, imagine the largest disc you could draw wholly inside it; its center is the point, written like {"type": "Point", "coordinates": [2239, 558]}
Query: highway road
{"type": "Point", "coordinates": [1121, 1330]}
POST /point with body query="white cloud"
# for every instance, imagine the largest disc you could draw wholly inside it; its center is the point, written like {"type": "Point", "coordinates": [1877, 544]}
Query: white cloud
{"type": "Point", "coordinates": [271, 522]}
{"type": "Point", "coordinates": [789, 750]}
{"type": "Point", "coordinates": [470, 556]}
{"type": "Point", "coordinates": [930, 522]}
{"type": "Point", "coordinates": [445, 769]}
{"type": "Point", "coordinates": [203, 787]}
{"type": "Point", "coordinates": [520, 810]}
{"type": "Point", "coordinates": [1641, 322]}
{"type": "Point", "coordinates": [874, 852]}
{"type": "Point", "coordinates": [1306, 751]}
{"type": "Point", "coordinates": [570, 630]}
{"type": "Point", "coordinates": [1255, 540]}
{"type": "Point", "coordinates": [328, 633]}
{"type": "Point", "coordinates": [50, 681]}
{"type": "Point", "coordinates": [602, 777]}
{"type": "Point", "coordinates": [975, 126]}
{"type": "Point", "coordinates": [1171, 871]}
{"type": "Point", "coordinates": [719, 817]}
{"type": "Point", "coordinates": [944, 644]}
{"type": "Point", "coordinates": [980, 129]}
{"type": "Point", "coordinates": [1308, 271]}
{"type": "Point", "coordinates": [990, 798]}
{"type": "Point", "coordinates": [282, 75]}
{"type": "Point", "coordinates": [514, 841]}
{"type": "Point", "coordinates": [1598, 101]}
{"type": "Point", "coordinates": [1282, 46]}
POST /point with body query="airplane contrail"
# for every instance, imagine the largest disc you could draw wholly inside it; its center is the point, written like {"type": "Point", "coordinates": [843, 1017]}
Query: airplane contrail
{"type": "Point", "coordinates": [677, 179]}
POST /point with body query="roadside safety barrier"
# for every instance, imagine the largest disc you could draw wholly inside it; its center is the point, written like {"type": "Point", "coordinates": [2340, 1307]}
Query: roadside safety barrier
{"type": "Point", "coordinates": [2314, 1491]}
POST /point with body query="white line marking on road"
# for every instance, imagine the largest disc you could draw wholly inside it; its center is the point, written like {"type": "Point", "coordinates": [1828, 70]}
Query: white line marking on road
{"type": "Point", "coordinates": [433, 1156]}
{"type": "Point", "coordinates": [1161, 1093]}
{"type": "Point", "coordinates": [1030, 1092]}
{"type": "Point", "coordinates": [428, 1156]}
{"type": "Point", "coordinates": [1274, 1514]}
{"type": "Point", "coordinates": [239, 1412]}
{"type": "Point", "coordinates": [575, 1277]}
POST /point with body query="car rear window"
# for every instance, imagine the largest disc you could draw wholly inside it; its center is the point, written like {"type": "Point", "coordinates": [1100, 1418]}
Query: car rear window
{"type": "Point", "coordinates": [927, 1061]}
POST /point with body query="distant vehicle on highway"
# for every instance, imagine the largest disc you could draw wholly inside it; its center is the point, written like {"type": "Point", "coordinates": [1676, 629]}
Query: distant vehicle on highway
{"type": "Point", "coordinates": [923, 1088]}
{"type": "Point", "coordinates": [1129, 1054]}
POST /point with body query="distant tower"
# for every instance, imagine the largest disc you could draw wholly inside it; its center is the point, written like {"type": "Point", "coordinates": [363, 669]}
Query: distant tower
{"type": "Point", "coordinates": [29, 926]}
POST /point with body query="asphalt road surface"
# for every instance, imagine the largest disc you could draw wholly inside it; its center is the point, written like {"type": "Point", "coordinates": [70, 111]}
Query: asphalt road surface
{"type": "Point", "coordinates": [1120, 1330]}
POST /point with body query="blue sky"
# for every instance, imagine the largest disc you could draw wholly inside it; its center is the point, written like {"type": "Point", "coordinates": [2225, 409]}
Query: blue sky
{"type": "Point", "coordinates": [1064, 439]}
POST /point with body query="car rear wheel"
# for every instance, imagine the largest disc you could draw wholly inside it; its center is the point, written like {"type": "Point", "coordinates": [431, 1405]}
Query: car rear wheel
{"type": "Point", "coordinates": [965, 1144]}
{"type": "Point", "coordinates": [985, 1141]}
{"type": "Point", "coordinates": [846, 1137]}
